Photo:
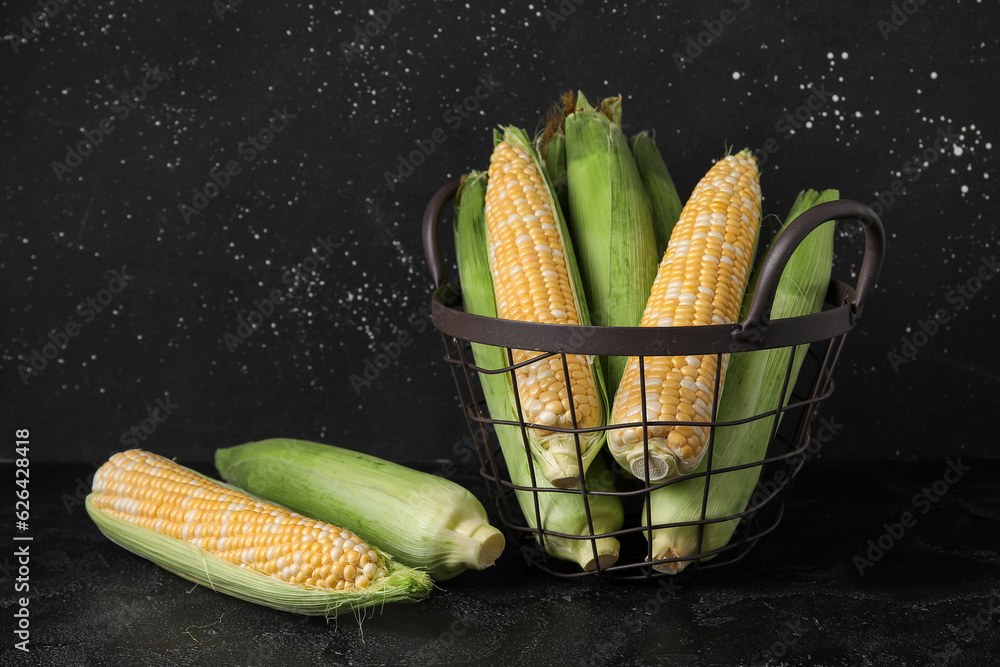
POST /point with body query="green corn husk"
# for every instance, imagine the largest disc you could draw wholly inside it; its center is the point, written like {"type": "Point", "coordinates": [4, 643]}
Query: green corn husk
{"type": "Point", "coordinates": [423, 520]}
{"type": "Point", "coordinates": [563, 512]}
{"type": "Point", "coordinates": [555, 453]}
{"type": "Point", "coordinates": [753, 386]}
{"type": "Point", "coordinates": [612, 108]}
{"type": "Point", "coordinates": [611, 223]}
{"type": "Point", "coordinates": [551, 146]}
{"type": "Point", "coordinates": [404, 584]}
{"type": "Point", "coordinates": [664, 201]}
{"type": "Point", "coordinates": [664, 457]}
{"type": "Point", "coordinates": [560, 512]}
{"type": "Point", "coordinates": [554, 162]}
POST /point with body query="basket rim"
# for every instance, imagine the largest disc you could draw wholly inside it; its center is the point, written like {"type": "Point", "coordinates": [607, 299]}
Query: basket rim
{"type": "Point", "coordinates": [644, 341]}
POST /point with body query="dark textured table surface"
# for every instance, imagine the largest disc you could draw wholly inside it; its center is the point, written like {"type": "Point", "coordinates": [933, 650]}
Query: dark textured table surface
{"type": "Point", "coordinates": [798, 598]}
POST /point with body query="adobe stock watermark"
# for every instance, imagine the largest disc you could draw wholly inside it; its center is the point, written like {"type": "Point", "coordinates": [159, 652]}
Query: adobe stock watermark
{"type": "Point", "coordinates": [603, 654]}
{"type": "Point", "coordinates": [38, 359]}
{"type": "Point", "coordinates": [419, 321]}
{"type": "Point", "coordinates": [83, 487]}
{"type": "Point", "coordinates": [264, 307]}
{"type": "Point", "coordinates": [121, 108]}
{"type": "Point", "coordinates": [607, 653]}
{"type": "Point", "coordinates": [453, 117]}
{"type": "Point", "coordinates": [793, 120]}
{"type": "Point", "coordinates": [913, 169]}
{"type": "Point", "coordinates": [365, 32]}
{"type": "Point", "coordinates": [221, 176]}
{"type": "Point", "coordinates": [959, 296]}
{"type": "Point", "coordinates": [32, 24]}
{"type": "Point", "coordinates": [565, 9]}
{"type": "Point", "coordinates": [967, 630]}
{"type": "Point", "coordinates": [667, 590]}
{"type": "Point", "coordinates": [463, 450]}
{"type": "Point", "coordinates": [923, 502]}
{"type": "Point", "coordinates": [436, 652]}
{"type": "Point", "coordinates": [373, 366]}
{"type": "Point", "coordinates": [223, 6]}
{"type": "Point", "coordinates": [900, 14]}
{"type": "Point", "coordinates": [782, 646]}
{"type": "Point", "coordinates": [714, 28]}
{"type": "Point", "coordinates": [825, 433]}
{"type": "Point", "coordinates": [139, 433]}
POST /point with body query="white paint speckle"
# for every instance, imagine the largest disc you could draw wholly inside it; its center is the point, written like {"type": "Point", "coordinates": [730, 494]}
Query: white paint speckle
{"type": "Point", "coordinates": [736, 75]}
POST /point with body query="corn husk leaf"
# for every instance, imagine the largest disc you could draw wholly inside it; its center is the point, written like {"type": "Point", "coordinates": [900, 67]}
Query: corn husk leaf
{"type": "Point", "coordinates": [423, 520]}
{"type": "Point", "coordinates": [195, 564]}
{"type": "Point", "coordinates": [663, 459]}
{"type": "Point", "coordinates": [555, 453]}
{"type": "Point", "coordinates": [665, 202]}
{"type": "Point", "coordinates": [753, 386]}
{"type": "Point", "coordinates": [610, 222]}
{"type": "Point", "coordinates": [551, 145]}
{"type": "Point", "coordinates": [560, 512]}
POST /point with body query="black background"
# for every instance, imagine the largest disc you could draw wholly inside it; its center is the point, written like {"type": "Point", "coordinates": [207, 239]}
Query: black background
{"type": "Point", "coordinates": [885, 94]}
{"type": "Point", "coordinates": [353, 116]}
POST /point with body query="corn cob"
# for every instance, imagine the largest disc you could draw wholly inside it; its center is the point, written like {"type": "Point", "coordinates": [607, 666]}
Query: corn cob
{"type": "Point", "coordinates": [664, 201]}
{"type": "Point", "coordinates": [753, 387]}
{"type": "Point", "coordinates": [423, 520]}
{"type": "Point", "coordinates": [559, 512]}
{"type": "Point", "coordinates": [235, 544]}
{"type": "Point", "coordinates": [610, 222]}
{"type": "Point", "coordinates": [700, 281]}
{"type": "Point", "coordinates": [535, 280]}
{"type": "Point", "coordinates": [563, 514]}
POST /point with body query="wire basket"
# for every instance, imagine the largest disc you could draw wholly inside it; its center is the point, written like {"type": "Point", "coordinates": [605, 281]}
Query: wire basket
{"type": "Point", "coordinates": [790, 443]}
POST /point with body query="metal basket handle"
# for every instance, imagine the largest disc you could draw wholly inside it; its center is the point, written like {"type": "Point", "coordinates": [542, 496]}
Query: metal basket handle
{"type": "Point", "coordinates": [790, 238]}
{"type": "Point", "coordinates": [432, 244]}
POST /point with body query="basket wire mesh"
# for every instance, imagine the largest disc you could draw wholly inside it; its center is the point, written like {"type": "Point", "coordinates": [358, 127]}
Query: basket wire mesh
{"type": "Point", "coordinates": [790, 442]}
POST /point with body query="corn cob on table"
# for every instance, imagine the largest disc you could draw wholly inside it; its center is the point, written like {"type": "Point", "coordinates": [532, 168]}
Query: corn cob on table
{"type": "Point", "coordinates": [95, 603]}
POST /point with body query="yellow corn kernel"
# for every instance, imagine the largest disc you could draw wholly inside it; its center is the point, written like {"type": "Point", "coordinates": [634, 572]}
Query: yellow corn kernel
{"type": "Point", "coordinates": [700, 281]}
{"type": "Point", "coordinates": [532, 283]}
{"type": "Point", "coordinates": [255, 535]}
